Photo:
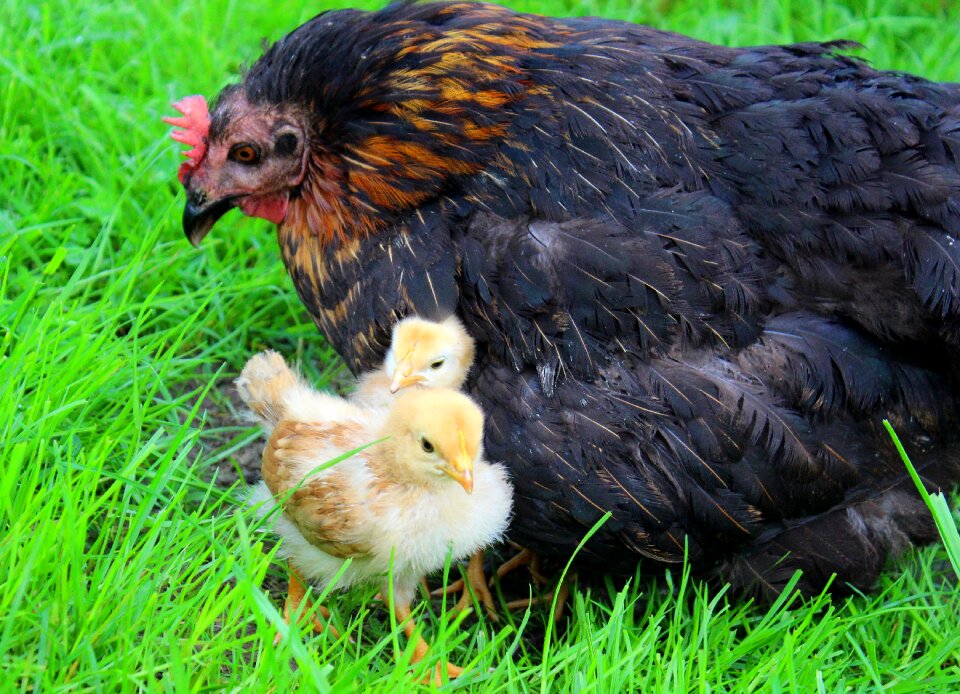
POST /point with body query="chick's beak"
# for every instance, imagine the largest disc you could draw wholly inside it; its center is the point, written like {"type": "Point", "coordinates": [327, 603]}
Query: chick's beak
{"type": "Point", "coordinates": [200, 214]}
{"type": "Point", "coordinates": [461, 467]}
{"type": "Point", "coordinates": [401, 381]}
{"type": "Point", "coordinates": [403, 376]}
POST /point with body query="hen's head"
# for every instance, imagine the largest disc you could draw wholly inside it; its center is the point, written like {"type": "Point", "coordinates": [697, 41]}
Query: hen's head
{"type": "Point", "coordinates": [245, 155]}
{"type": "Point", "coordinates": [428, 353]}
{"type": "Point", "coordinates": [355, 117]}
{"type": "Point", "coordinates": [436, 434]}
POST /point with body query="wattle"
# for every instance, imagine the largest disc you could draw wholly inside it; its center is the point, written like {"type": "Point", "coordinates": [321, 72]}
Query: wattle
{"type": "Point", "coordinates": [273, 208]}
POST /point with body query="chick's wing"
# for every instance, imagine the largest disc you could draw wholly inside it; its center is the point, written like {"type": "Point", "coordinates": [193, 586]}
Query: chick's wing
{"type": "Point", "coordinates": [326, 505]}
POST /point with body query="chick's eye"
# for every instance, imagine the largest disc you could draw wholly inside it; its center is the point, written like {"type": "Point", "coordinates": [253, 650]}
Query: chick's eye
{"type": "Point", "coordinates": [426, 446]}
{"type": "Point", "coordinates": [245, 154]}
{"type": "Point", "coordinates": [437, 364]}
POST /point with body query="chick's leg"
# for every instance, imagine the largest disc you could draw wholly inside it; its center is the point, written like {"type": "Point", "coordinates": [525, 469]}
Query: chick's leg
{"type": "Point", "coordinates": [477, 581]}
{"type": "Point", "coordinates": [297, 596]}
{"type": "Point", "coordinates": [421, 647]}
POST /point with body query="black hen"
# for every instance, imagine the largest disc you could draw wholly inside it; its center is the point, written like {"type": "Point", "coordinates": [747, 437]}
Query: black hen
{"type": "Point", "coordinates": [699, 277]}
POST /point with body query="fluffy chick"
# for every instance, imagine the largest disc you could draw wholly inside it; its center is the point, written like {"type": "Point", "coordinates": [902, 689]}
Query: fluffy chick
{"type": "Point", "coordinates": [428, 354]}
{"type": "Point", "coordinates": [432, 354]}
{"type": "Point", "coordinates": [396, 508]}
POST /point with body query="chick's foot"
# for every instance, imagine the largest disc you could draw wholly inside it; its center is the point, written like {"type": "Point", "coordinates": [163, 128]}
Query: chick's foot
{"type": "Point", "coordinates": [421, 648]}
{"type": "Point", "coordinates": [297, 597]}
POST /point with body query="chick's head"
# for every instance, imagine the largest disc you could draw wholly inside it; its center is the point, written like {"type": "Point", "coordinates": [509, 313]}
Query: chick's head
{"type": "Point", "coordinates": [428, 353]}
{"type": "Point", "coordinates": [436, 433]}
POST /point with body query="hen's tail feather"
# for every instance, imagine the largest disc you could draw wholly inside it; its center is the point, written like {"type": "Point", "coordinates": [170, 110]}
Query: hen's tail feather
{"type": "Point", "coordinates": [853, 540]}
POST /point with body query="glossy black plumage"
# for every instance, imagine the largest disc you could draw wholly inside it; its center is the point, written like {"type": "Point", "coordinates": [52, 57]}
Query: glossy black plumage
{"type": "Point", "coordinates": [699, 276]}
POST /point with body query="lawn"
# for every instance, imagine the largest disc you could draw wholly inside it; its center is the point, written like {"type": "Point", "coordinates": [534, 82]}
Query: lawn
{"type": "Point", "coordinates": [124, 564]}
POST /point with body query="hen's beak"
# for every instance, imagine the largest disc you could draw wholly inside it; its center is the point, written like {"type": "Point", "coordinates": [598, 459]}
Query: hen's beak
{"type": "Point", "coordinates": [200, 214]}
{"type": "Point", "coordinates": [461, 467]}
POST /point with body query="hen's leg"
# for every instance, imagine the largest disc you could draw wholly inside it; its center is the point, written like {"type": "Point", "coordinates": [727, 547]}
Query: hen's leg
{"type": "Point", "coordinates": [530, 559]}
{"type": "Point", "coordinates": [477, 581]}
{"type": "Point", "coordinates": [562, 593]}
{"type": "Point", "coordinates": [297, 596]}
{"type": "Point", "coordinates": [524, 557]}
{"type": "Point", "coordinates": [402, 611]}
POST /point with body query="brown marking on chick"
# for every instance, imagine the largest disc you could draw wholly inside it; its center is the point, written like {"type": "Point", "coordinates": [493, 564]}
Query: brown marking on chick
{"type": "Point", "coordinates": [329, 513]}
{"type": "Point", "coordinates": [345, 435]}
{"type": "Point", "coordinates": [274, 466]}
{"type": "Point", "coordinates": [292, 441]}
{"type": "Point", "coordinates": [324, 508]}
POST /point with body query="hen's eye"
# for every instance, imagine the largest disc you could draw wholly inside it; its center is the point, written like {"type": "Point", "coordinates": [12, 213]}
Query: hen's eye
{"type": "Point", "coordinates": [426, 445]}
{"type": "Point", "coordinates": [286, 145]}
{"type": "Point", "coordinates": [244, 154]}
{"type": "Point", "coordinates": [437, 364]}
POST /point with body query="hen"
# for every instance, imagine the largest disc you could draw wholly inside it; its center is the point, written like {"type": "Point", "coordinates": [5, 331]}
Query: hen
{"type": "Point", "coordinates": [394, 509]}
{"type": "Point", "coordinates": [699, 277]}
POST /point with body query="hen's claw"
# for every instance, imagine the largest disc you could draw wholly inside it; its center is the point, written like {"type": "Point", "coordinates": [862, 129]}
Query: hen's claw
{"type": "Point", "coordinates": [562, 594]}
{"type": "Point", "coordinates": [524, 557]}
{"type": "Point", "coordinates": [530, 559]}
{"type": "Point", "coordinates": [476, 579]}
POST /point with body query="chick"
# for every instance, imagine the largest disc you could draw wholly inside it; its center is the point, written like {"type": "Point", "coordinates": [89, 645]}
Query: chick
{"type": "Point", "coordinates": [425, 353]}
{"type": "Point", "coordinates": [400, 505]}
{"type": "Point", "coordinates": [428, 354]}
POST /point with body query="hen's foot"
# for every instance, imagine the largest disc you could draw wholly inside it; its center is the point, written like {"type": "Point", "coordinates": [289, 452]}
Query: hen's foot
{"type": "Point", "coordinates": [474, 585]}
{"type": "Point", "coordinates": [562, 594]}
{"type": "Point", "coordinates": [524, 557]}
{"type": "Point", "coordinates": [530, 559]}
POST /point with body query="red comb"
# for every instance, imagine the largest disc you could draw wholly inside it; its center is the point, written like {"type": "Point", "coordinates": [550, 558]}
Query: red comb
{"type": "Point", "coordinates": [195, 124]}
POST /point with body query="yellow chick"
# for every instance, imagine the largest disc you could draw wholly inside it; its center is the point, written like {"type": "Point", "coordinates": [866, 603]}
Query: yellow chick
{"type": "Point", "coordinates": [428, 354]}
{"type": "Point", "coordinates": [401, 505]}
{"type": "Point", "coordinates": [422, 352]}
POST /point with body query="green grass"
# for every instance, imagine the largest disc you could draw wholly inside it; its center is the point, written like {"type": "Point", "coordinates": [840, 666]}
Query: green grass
{"type": "Point", "coordinates": [123, 568]}
{"type": "Point", "coordinates": [936, 503]}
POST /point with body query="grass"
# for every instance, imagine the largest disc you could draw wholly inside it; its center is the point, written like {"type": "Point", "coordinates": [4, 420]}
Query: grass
{"type": "Point", "coordinates": [936, 503]}
{"type": "Point", "coordinates": [123, 568]}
